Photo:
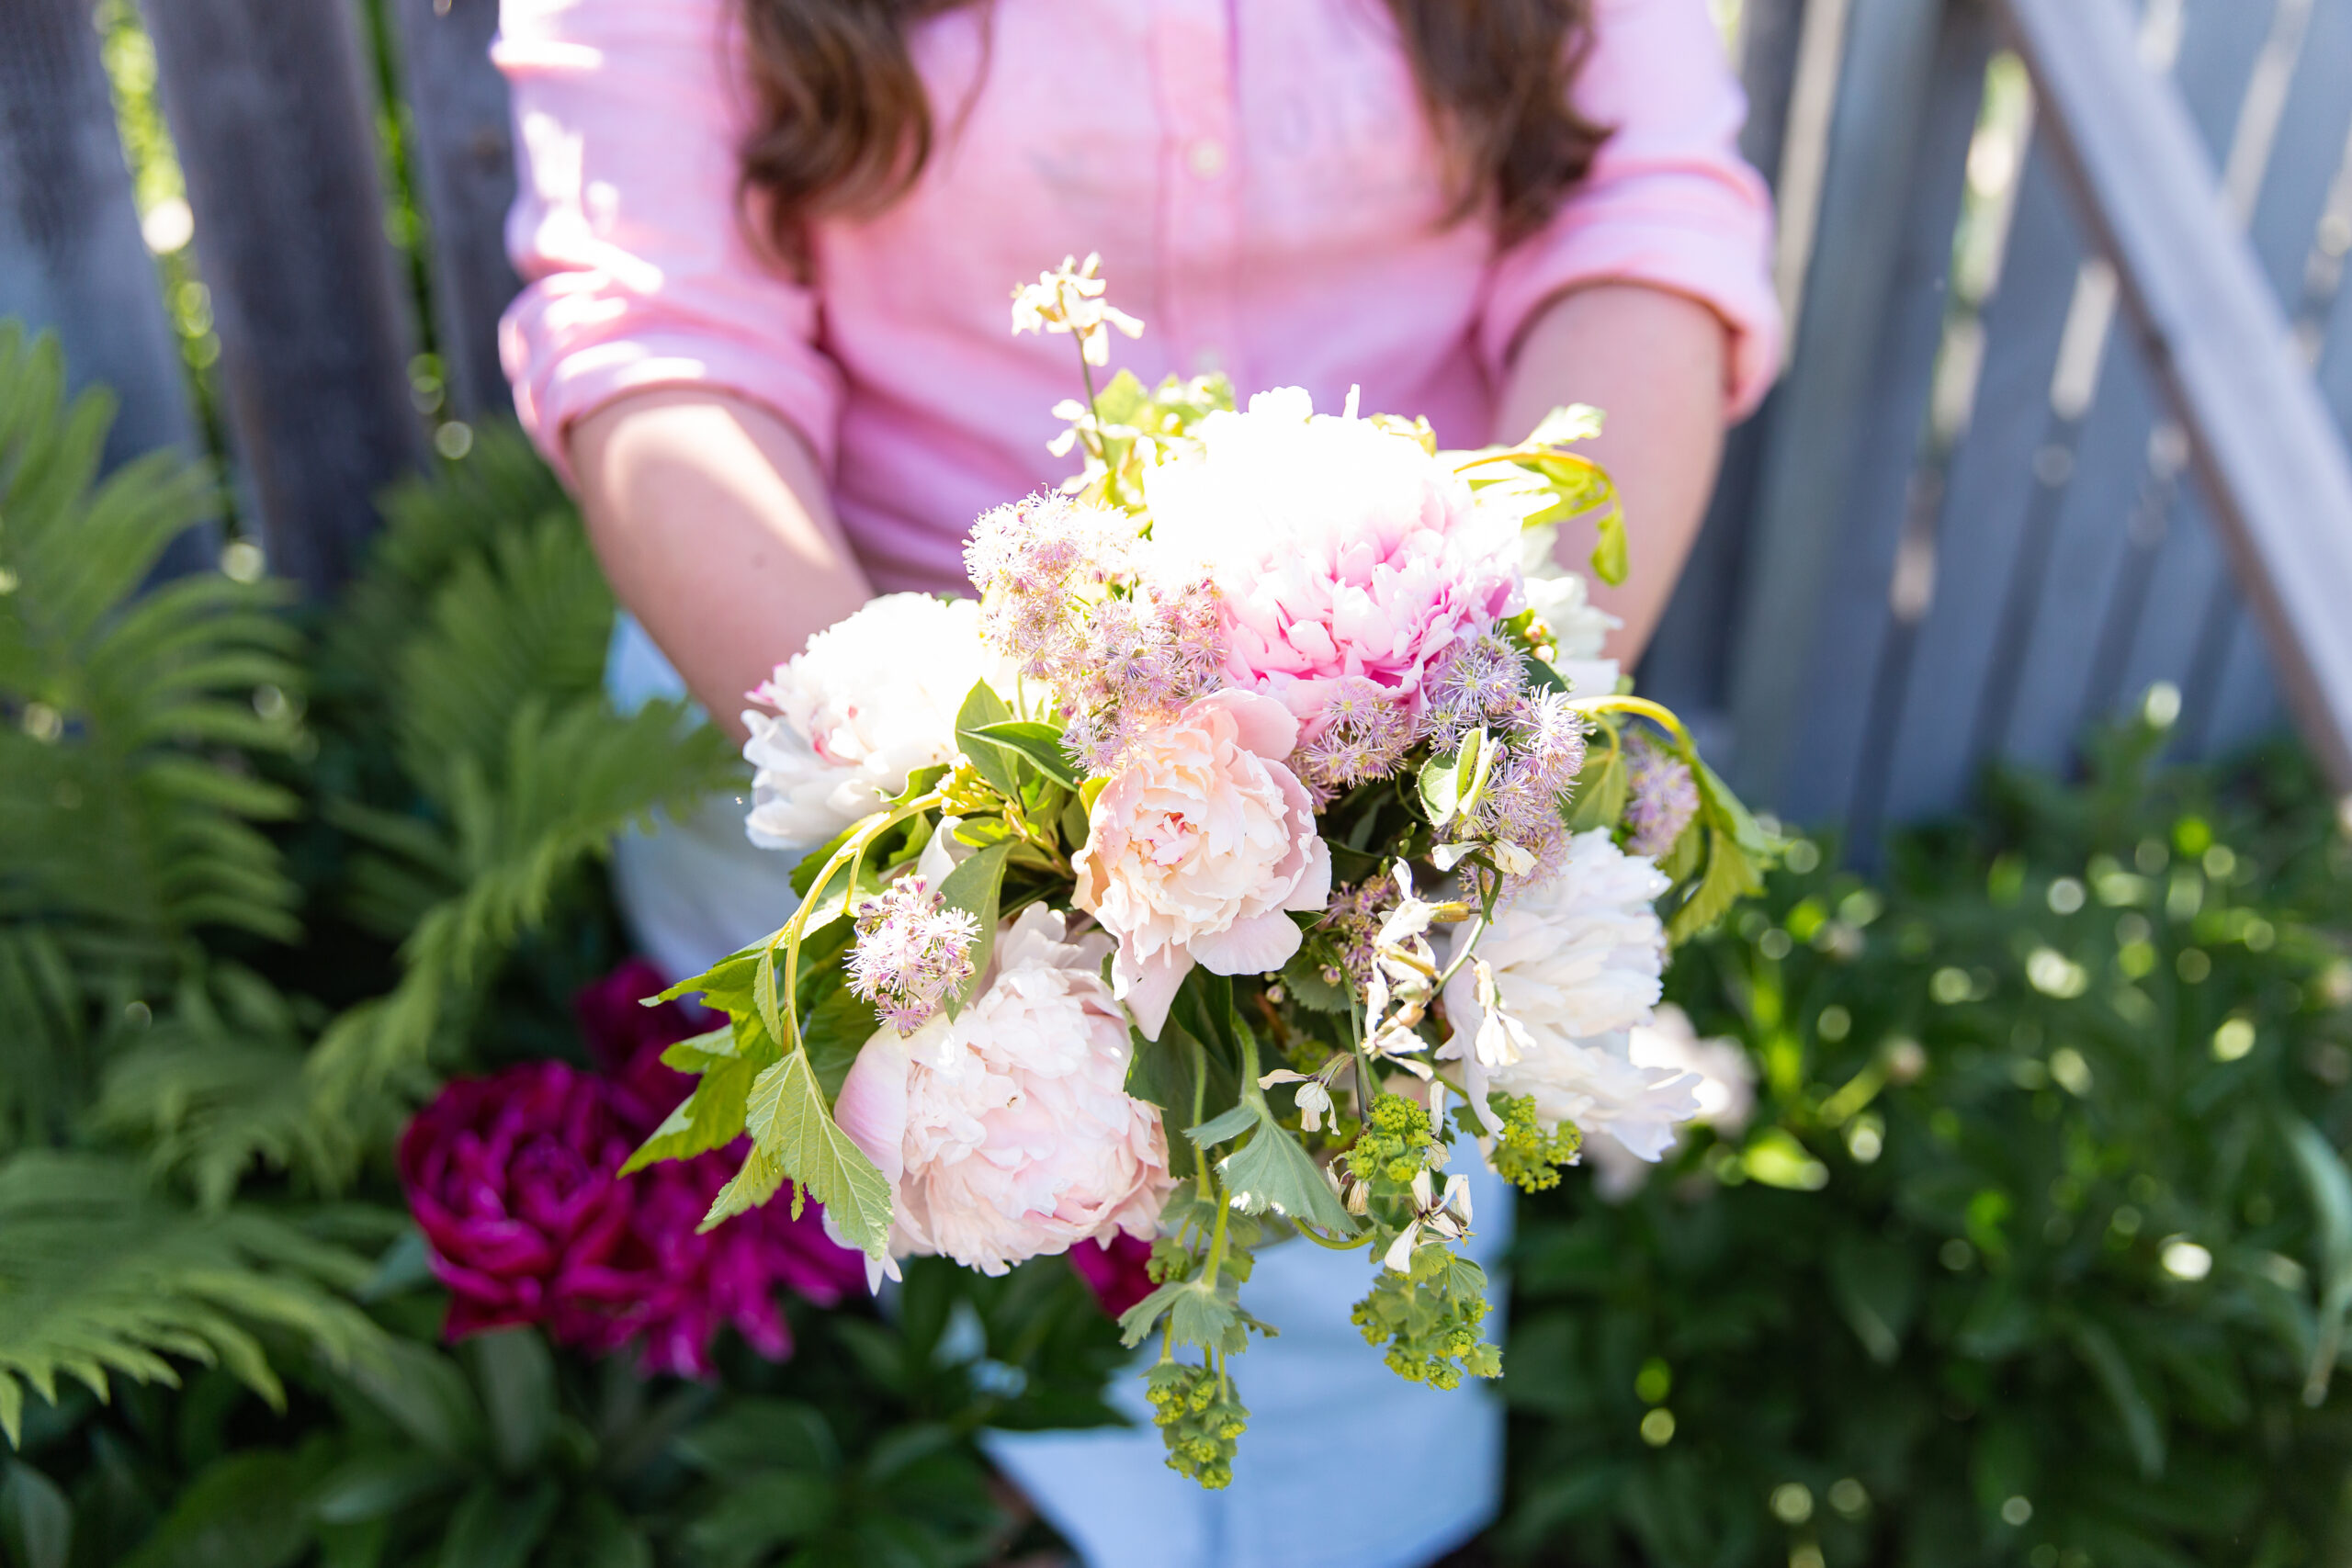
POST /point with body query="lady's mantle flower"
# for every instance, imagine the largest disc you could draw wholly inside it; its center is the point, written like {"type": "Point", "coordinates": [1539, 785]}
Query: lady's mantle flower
{"type": "Point", "coordinates": [1008, 1133]}
{"type": "Point", "coordinates": [1339, 549]}
{"type": "Point", "coordinates": [1069, 299]}
{"type": "Point", "coordinates": [1566, 969]}
{"type": "Point", "coordinates": [1198, 849]}
{"type": "Point", "coordinates": [911, 952]}
{"type": "Point", "coordinates": [870, 699]}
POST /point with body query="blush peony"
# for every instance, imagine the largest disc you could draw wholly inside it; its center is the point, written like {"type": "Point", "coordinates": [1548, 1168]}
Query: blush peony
{"type": "Point", "coordinates": [1199, 848]}
{"type": "Point", "coordinates": [1575, 962]}
{"type": "Point", "coordinates": [1008, 1133]}
{"type": "Point", "coordinates": [869, 701]}
{"type": "Point", "coordinates": [1338, 549]}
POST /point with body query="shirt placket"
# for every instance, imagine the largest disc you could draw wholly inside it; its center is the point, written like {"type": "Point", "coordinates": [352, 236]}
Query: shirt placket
{"type": "Point", "coordinates": [1200, 180]}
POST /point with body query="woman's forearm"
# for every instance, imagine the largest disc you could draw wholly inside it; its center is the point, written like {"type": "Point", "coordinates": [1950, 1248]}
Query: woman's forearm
{"type": "Point", "coordinates": [1654, 363]}
{"type": "Point", "coordinates": [713, 523]}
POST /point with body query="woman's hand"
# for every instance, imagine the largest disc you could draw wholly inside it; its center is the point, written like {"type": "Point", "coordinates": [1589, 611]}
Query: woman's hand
{"type": "Point", "coordinates": [714, 526]}
{"type": "Point", "coordinates": [1656, 364]}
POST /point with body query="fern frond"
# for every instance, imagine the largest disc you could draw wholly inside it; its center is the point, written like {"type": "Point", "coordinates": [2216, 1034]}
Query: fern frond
{"type": "Point", "coordinates": [99, 1279]}
{"type": "Point", "coordinates": [126, 804]}
{"type": "Point", "coordinates": [566, 786]}
{"type": "Point", "coordinates": [215, 1090]}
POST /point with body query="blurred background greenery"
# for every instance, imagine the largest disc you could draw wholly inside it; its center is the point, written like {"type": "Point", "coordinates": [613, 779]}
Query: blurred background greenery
{"type": "Point", "coordinates": [2036, 1247]}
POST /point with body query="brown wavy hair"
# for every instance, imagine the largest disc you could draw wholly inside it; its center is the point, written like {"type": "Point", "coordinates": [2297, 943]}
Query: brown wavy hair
{"type": "Point", "coordinates": [846, 127]}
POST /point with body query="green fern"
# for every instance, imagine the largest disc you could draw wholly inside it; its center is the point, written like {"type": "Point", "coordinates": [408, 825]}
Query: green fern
{"type": "Point", "coordinates": [485, 616]}
{"type": "Point", "coordinates": [101, 1278]}
{"type": "Point", "coordinates": [127, 814]}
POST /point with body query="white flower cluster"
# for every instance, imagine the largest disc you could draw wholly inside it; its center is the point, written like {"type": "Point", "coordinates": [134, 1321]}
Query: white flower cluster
{"type": "Point", "coordinates": [1569, 969]}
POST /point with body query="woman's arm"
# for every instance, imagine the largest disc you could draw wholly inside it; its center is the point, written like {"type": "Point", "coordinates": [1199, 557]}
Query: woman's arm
{"type": "Point", "coordinates": [711, 518]}
{"type": "Point", "coordinates": [1654, 363]}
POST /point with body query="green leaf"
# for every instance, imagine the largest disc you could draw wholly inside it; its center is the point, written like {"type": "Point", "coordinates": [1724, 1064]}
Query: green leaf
{"type": "Point", "coordinates": [1198, 1313]}
{"type": "Point", "coordinates": [1302, 979]}
{"type": "Point", "coordinates": [35, 1519]}
{"type": "Point", "coordinates": [1730, 876]}
{"type": "Point", "coordinates": [493, 1528]}
{"type": "Point", "coordinates": [1221, 1129]}
{"type": "Point", "coordinates": [709, 1118]}
{"type": "Point", "coordinates": [834, 1032]}
{"type": "Point", "coordinates": [993, 759]}
{"type": "Point", "coordinates": [244, 1511]}
{"type": "Point", "coordinates": [376, 1482]}
{"type": "Point", "coordinates": [2124, 1391]}
{"type": "Point", "coordinates": [792, 1130]}
{"type": "Point", "coordinates": [1599, 797]}
{"type": "Point", "coordinates": [1610, 559]}
{"type": "Point", "coordinates": [1270, 1171]}
{"type": "Point", "coordinates": [517, 1380]}
{"type": "Point", "coordinates": [1040, 743]}
{"type": "Point", "coordinates": [1876, 1290]}
{"type": "Point", "coordinates": [2330, 1184]}
{"type": "Point", "coordinates": [975, 887]}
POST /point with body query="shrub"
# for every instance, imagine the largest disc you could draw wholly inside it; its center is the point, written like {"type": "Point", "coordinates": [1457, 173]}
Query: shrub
{"type": "Point", "coordinates": [2038, 1249]}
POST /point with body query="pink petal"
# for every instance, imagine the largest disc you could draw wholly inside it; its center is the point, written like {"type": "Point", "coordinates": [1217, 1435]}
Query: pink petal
{"type": "Point", "coordinates": [1252, 946]}
{"type": "Point", "coordinates": [1148, 987]}
{"type": "Point", "coordinates": [1260, 724]}
{"type": "Point", "coordinates": [872, 1108]}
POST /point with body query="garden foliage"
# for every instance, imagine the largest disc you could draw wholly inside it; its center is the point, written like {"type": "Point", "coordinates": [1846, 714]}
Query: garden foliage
{"type": "Point", "coordinates": [265, 876]}
{"type": "Point", "coordinates": [2038, 1248]}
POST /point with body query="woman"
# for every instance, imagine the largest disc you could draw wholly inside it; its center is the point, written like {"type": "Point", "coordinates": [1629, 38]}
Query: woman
{"type": "Point", "coordinates": [770, 245]}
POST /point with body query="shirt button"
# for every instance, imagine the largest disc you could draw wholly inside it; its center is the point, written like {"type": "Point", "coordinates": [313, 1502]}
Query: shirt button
{"type": "Point", "coordinates": [1207, 157]}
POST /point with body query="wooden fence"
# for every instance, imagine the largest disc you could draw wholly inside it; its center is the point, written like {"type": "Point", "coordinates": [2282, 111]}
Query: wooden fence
{"type": "Point", "coordinates": [2064, 417]}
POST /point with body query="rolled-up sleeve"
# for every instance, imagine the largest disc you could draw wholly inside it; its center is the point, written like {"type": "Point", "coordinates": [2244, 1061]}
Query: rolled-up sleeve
{"type": "Point", "coordinates": [638, 271]}
{"type": "Point", "coordinates": [1669, 202]}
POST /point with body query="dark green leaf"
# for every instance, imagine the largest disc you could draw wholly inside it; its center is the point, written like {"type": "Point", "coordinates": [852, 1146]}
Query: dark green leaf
{"type": "Point", "coordinates": [517, 1379]}
{"type": "Point", "coordinates": [1040, 743]}
{"type": "Point", "coordinates": [1271, 1171]}
{"type": "Point", "coordinates": [976, 888]}
{"type": "Point", "coordinates": [994, 760]}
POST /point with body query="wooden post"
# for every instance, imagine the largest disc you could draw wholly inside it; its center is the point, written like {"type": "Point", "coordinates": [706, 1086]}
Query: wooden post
{"type": "Point", "coordinates": [2264, 443]}
{"type": "Point", "coordinates": [1826, 407]}
{"type": "Point", "coordinates": [465, 173]}
{"type": "Point", "coordinates": [274, 131]}
{"type": "Point", "coordinates": [71, 256]}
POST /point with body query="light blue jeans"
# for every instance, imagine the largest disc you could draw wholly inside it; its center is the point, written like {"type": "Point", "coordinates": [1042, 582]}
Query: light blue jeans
{"type": "Point", "coordinates": [1345, 1465]}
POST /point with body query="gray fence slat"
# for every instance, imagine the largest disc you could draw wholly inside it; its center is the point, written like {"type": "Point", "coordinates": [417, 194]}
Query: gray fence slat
{"type": "Point", "coordinates": [71, 256]}
{"type": "Point", "coordinates": [2276, 466]}
{"type": "Point", "coordinates": [1883, 95]}
{"type": "Point", "coordinates": [1860, 649]}
{"type": "Point", "coordinates": [465, 174]}
{"type": "Point", "coordinates": [2335, 364]}
{"type": "Point", "coordinates": [2103, 553]}
{"type": "Point", "coordinates": [1688, 659]}
{"type": "Point", "coordinates": [279, 144]}
{"type": "Point", "coordinates": [1990, 506]}
{"type": "Point", "coordinates": [2188, 581]}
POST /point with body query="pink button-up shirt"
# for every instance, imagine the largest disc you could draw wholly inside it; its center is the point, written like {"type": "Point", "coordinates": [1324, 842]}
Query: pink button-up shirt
{"type": "Point", "coordinates": [1258, 175]}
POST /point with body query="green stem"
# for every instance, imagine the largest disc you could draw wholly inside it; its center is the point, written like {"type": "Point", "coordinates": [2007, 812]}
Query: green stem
{"type": "Point", "coordinates": [1657, 714]}
{"type": "Point", "coordinates": [852, 853]}
{"type": "Point", "coordinates": [1216, 1244]}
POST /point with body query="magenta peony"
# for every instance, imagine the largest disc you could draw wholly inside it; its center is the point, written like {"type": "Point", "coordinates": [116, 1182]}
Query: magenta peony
{"type": "Point", "coordinates": [514, 1181]}
{"type": "Point", "coordinates": [1198, 850]}
{"type": "Point", "coordinates": [1339, 549]}
{"type": "Point", "coordinates": [1008, 1133]}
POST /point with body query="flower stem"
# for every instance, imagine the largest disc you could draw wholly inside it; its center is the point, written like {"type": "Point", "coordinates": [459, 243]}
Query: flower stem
{"type": "Point", "coordinates": [853, 853]}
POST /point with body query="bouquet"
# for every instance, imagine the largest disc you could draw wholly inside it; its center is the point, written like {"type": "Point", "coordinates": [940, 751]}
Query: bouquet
{"type": "Point", "coordinates": [1266, 838]}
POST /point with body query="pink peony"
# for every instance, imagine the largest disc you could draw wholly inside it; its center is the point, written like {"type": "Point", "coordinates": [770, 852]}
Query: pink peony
{"type": "Point", "coordinates": [1008, 1133]}
{"type": "Point", "coordinates": [1199, 848]}
{"type": "Point", "coordinates": [1339, 549]}
{"type": "Point", "coordinates": [514, 1181]}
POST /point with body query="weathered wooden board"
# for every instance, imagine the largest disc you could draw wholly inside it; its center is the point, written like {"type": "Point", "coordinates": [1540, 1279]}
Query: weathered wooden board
{"type": "Point", "coordinates": [276, 136]}
{"type": "Point", "coordinates": [2005, 479]}
{"type": "Point", "coordinates": [465, 176]}
{"type": "Point", "coordinates": [1860, 645]}
{"type": "Point", "coordinates": [2212, 331]}
{"type": "Point", "coordinates": [71, 256]}
{"type": "Point", "coordinates": [1818, 430]}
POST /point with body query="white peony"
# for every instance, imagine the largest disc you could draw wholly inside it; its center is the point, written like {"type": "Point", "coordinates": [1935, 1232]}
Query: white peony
{"type": "Point", "coordinates": [870, 700]}
{"type": "Point", "coordinates": [1562, 600]}
{"type": "Point", "coordinates": [1575, 964]}
{"type": "Point", "coordinates": [1009, 1134]}
{"type": "Point", "coordinates": [1725, 1091]}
